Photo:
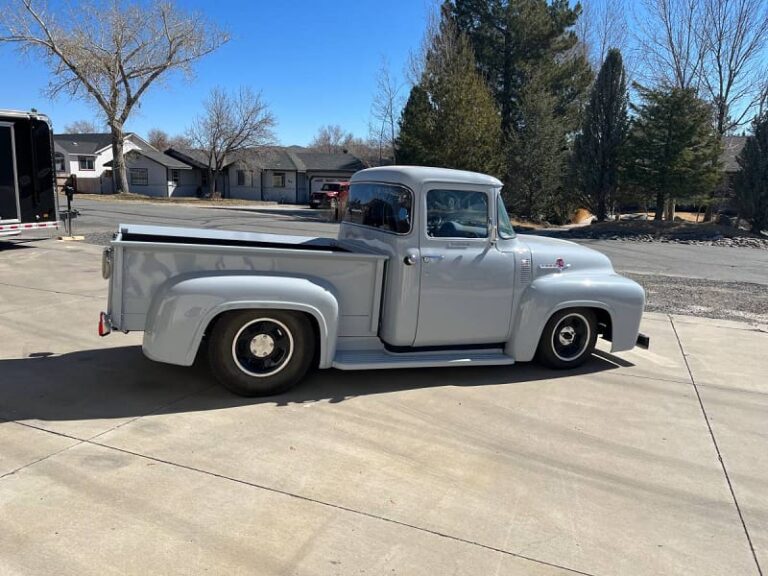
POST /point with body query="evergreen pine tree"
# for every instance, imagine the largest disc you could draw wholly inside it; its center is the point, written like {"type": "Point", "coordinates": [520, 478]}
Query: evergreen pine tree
{"type": "Point", "coordinates": [598, 148]}
{"type": "Point", "coordinates": [536, 156]}
{"type": "Point", "coordinates": [415, 143]}
{"type": "Point", "coordinates": [451, 119]}
{"type": "Point", "coordinates": [672, 149]}
{"type": "Point", "coordinates": [517, 43]}
{"type": "Point", "coordinates": [751, 183]}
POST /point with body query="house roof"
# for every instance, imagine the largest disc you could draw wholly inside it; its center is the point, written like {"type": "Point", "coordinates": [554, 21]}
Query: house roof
{"type": "Point", "coordinates": [732, 146]}
{"type": "Point", "coordinates": [82, 143]}
{"type": "Point", "coordinates": [271, 158]}
{"type": "Point", "coordinates": [159, 157]}
{"type": "Point", "coordinates": [191, 156]}
{"type": "Point", "coordinates": [320, 161]}
{"type": "Point", "coordinates": [292, 158]}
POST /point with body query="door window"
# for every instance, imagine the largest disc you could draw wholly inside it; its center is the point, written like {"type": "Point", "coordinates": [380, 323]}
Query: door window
{"type": "Point", "coordinates": [383, 206]}
{"type": "Point", "coordinates": [457, 214]}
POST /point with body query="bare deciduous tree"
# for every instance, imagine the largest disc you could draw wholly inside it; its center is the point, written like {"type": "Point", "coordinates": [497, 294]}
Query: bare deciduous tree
{"type": "Point", "coordinates": [417, 59]}
{"type": "Point", "coordinates": [602, 26]}
{"type": "Point", "coordinates": [735, 38]}
{"type": "Point", "coordinates": [110, 52]}
{"type": "Point", "coordinates": [161, 140]}
{"type": "Point", "coordinates": [331, 139]}
{"type": "Point", "coordinates": [385, 110]}
{"type": "Point", "coordinates": [230, 125]}
{"type": "Point", "coordinates": [669, 34]}
{"type": "Point", "coordinates": [81, 127]}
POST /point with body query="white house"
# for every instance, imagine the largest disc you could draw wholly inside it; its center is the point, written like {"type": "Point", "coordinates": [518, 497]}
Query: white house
{"type": "Point", "coordinates": [150, 172]}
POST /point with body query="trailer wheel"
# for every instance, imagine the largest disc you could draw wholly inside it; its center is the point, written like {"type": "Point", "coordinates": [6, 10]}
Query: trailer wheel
{"type": "Point", "coordinates": [568, 338]}
{"type": "Point", "coordinates": [261, 352]}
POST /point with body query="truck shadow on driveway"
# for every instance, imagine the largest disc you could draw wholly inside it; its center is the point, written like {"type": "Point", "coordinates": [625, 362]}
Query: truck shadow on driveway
{"type": "Point", "coordinates": [121, 382]}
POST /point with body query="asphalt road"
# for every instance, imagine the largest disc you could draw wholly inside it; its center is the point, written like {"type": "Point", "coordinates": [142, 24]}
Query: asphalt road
{"type": "Point", "coordinates": [714, 263]}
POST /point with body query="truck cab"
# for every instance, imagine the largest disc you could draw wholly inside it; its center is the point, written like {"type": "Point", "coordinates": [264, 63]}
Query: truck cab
{"type": "Point", "coordinates": [426, 271]}
{"type": "Point", "coordinates": [440, 230]}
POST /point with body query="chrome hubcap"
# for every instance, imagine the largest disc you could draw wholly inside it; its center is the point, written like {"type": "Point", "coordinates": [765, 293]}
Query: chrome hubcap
{"type": "Point", "coordinates": [262, 345]}
{"type": "Point", "coordinates": [571, 337]}
{"type": "Point", "coordinates": [566, 335]}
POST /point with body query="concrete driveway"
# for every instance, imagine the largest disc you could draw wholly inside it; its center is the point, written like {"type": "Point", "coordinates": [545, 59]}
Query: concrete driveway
{"type": "Point", "coordinates": [649, 463]}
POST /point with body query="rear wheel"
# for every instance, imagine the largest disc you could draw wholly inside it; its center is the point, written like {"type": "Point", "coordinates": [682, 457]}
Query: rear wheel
{"type": "Point", "coordinates": [568, 338]}
{"type": "Point", "coordinates": [261, 352]}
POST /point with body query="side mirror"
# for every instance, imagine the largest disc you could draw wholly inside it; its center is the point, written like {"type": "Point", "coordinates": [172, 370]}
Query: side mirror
{"type": "Point", "coordinates": [493, 233]}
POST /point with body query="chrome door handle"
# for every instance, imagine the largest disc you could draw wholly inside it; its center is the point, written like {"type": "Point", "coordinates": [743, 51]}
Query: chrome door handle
{"type": "Point", "coordinates": [427, 258]}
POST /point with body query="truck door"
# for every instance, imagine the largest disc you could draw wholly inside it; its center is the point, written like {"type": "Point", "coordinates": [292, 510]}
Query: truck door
{"type": "Point", "coordinates": [466, 282]}
{"type": "Point", "coordinates": [9, 191]}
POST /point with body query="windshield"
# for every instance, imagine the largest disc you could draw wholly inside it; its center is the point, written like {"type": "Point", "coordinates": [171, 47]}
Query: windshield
{"type": "Point", "coordinates": [504, 225]}
{"type": "Point", "coordinates": [331, 187]}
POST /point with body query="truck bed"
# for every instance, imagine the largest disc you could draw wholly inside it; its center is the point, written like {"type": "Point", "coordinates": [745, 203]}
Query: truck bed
{"type": "Point", "coordinates": [145, 257]}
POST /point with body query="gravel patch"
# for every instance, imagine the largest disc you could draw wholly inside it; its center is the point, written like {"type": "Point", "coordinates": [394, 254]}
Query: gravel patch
{"type": "Point", "coordinates": [735, 242]}
{"type": "Point", "coordinates": [99, 238]}
{"type": "Point", "coordinates": [664, 233]}
{"type": "Point", "coordinates": [741, 301]}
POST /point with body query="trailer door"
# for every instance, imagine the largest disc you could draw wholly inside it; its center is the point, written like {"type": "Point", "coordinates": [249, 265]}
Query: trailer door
{"type": "Point", "coordinates": [9, 190]}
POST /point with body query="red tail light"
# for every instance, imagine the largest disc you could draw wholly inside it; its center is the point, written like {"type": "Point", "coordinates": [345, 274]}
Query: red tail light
{"type": "Point", "coordinates": [105, 326]}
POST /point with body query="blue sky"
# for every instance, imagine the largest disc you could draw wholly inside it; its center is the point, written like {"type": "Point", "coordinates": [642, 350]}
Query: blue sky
{"type": "Point", "coordinates": [315, 63]}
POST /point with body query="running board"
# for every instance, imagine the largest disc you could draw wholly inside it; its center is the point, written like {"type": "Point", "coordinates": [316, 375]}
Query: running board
{"type": "Point", "coordinates": [381, 359]}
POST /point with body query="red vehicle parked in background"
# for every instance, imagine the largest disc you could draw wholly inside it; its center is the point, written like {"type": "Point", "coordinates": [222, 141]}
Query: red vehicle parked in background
{"type": "Point", "coordinates": [331, 195]}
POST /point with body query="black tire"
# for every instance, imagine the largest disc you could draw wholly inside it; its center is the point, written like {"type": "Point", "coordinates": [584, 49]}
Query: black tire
{"type": "Point", "coordinates": [261, 352]}
{"type": "Point", "coordinates": [568, 339]}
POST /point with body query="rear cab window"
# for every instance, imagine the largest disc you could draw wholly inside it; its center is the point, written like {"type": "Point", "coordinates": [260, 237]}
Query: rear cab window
{"type": "Point", "coordinates": [457, 214]}
{"type": "Point", "coordinates": [387, 207]}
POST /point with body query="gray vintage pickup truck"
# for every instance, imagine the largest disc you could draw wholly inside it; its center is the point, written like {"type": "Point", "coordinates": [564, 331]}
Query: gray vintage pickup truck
{"type": "Point", "coordinates": [426, 271]}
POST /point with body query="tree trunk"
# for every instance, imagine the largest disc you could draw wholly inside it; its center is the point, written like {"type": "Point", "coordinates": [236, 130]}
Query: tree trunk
{"type": "Point", "coordinates": [212, 177]}
{"type": "Point", "coordinates": [119, 172]}
{"type": "Point", "coordinates": [659, 216]}
{"type": "Point", "coordinates": [671, 210]}
{"type": "Point", "coordinates": [602, 211]}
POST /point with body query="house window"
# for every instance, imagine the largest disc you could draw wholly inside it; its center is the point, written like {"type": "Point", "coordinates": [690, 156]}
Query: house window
{"type": "Point", "coordinates": [139, 177]}
{"type": "Point", "coordinates": [60, 167]}
{"type": "Point", "coordinates": [86, 162]}
{"type": "Point", "coordinates": [278, 180]}
{"type": "Point", "coordinates": [175, 177]}
{"type": "Point", "coordinates": [241, 177]}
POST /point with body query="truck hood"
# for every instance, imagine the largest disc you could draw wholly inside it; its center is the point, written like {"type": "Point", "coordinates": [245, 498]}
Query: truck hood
{"type": "Point", "coordinates": [551, 255]}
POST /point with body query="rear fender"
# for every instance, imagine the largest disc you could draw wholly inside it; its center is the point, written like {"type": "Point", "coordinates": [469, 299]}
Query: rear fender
{"type": "Point", "coordinates": [622, 298]}
{"type": "Point", "coordinates": [183, 308]}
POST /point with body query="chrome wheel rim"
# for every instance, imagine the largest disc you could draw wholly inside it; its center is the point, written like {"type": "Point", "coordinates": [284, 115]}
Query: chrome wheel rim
{"type": "Point", "coordinates": [571, 337]}
{"type": "Point", "coordinates": [262, 347]}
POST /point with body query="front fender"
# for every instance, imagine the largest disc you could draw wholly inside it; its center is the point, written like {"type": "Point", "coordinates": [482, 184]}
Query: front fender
{"type": "Point", "coordinates": [622, 298]}
{"type": "Point", "coordinates": [183, 307]}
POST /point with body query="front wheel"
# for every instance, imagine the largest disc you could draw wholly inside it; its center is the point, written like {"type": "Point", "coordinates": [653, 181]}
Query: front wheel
{"type": "Point", "coordinates": [568, 338]}
{"type": "Point", "coordinates": [261, 352]}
